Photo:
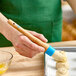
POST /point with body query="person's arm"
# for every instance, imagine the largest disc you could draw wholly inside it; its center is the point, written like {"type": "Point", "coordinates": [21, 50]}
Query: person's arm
{"type": "Point", "coordinates": [72, 4]}
{"type": "Point", "coordinates": [23, 45]}
{"type": "Point", "coordinates": [5, 29]}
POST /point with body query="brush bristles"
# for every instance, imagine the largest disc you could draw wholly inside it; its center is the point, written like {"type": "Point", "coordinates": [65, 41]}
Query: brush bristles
{"type": "Point", "coordinates": [59, 57]}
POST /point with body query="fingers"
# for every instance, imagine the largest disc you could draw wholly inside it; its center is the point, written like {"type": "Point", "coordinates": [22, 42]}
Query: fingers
{"type": "Point", "coordinates": [40, 36]}
{"type": "Point", "coordinates": [24, 40]}
{"type": "Point", "coordinates": [25, 51]}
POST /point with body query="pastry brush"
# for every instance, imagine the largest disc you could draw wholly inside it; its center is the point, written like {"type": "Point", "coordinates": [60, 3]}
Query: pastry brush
{"type": "Point", "coordinates": [48, 48]}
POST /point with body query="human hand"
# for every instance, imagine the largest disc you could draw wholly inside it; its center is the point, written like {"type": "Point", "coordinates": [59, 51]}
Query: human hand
{"type": "Point", "coordinates": [25, 46]}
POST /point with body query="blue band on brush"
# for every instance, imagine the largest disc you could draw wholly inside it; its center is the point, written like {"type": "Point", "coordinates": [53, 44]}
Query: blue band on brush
{"type": "Point", "coordinates": [50, 51]}
{"type": "Point", "coordinates": [17, 26]}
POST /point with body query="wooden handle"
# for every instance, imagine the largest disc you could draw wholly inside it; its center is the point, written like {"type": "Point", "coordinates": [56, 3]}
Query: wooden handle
{"type": "Point", "coordinates": [30, 36]}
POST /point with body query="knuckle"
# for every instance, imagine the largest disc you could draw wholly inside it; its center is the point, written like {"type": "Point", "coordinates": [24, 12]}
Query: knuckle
{"type": "Point", "coordinates": [41, 49]}
{"type": "Point", "coordinates": [40, 35]}
{"type": "Point", "coordinates": [20, 38]}
{"type": "Point", "coordinates": [33, 31]}
{"type": "Point", "coordinates": [17, 45]}
{"type": "Point", "coordinates": [32, 45]}
{"type": "Point", "coordinates": [30, 55]}
{"type": "Point", "coordinates": [23, 39]}
{"type": "Point", "coordinates": [21, 53]}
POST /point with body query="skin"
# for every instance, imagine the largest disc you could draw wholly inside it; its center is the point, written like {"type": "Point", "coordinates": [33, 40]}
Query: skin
{"type": "Point", "coordinates": [22, 44]}
{"type": "Point", "coordinates": [72, 4]}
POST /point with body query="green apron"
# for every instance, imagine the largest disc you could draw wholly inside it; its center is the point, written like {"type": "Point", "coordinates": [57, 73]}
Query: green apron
{"type": "Point", "coordinates": [42, 16]}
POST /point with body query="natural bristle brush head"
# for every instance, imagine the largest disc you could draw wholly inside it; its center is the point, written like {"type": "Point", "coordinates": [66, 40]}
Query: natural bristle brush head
{"type": "Point", "coordinates": [59, 57]}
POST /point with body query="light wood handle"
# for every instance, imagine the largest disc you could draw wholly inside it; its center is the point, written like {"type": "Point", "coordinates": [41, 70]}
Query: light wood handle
{"type": "Point", "coordinates": [30, 36]}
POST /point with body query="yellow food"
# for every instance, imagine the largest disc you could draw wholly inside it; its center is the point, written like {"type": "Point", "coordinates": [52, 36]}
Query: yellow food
{"type": "Point", "coordinates": [3, 68]}
{"type": "Point", "coordinates": [62, 65]}
{"type": "Point", "coordinates": [62, 70]}
{"type": "Point", "coordinates": [59, 74]}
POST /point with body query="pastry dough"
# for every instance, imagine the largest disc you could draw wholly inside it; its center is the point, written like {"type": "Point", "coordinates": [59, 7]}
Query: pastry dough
{"type": "Point", "coordinates": [62, 65]}
{"type": "Point", "coordinates": [59, 74]}
{"type": "Point", "coordinates": [62, 70]}
{"type": "Point", "coordinates": [62, 52]}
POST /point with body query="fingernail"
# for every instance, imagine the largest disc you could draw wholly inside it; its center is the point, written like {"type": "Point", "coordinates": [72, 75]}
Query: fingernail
{"type": "Point", "coordinates": [46, 40]}
{"type": "Point", "coordinates": [42, 50]}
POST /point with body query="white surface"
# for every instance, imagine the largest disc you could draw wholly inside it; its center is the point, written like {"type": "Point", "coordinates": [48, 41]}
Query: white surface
{"type": "Point", "coordinates": [50, 64]}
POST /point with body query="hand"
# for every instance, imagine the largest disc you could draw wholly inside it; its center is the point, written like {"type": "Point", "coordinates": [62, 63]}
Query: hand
{"type": "Point", "coordinates": [23, 45]}
{"type": "Point", "coordinates": [26, 47]}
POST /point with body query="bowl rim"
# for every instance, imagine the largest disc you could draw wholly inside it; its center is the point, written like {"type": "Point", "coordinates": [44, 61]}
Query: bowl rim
{"type": "Point", "coordinates": [9, 58]}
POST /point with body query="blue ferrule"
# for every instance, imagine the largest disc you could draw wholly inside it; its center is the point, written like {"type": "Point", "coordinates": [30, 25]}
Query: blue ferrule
{"type": "Point", "coordinates": [50, 51]}
{"type": "Point", "coordinates": [17, 26]}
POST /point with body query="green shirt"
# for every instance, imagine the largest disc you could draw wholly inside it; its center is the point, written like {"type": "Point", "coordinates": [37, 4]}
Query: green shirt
{"type": "Point", "coordinates": [42, 16]}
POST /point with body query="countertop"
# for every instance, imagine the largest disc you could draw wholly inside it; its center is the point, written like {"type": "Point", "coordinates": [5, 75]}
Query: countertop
{"type": "Point", "coordinates": [23, 66]}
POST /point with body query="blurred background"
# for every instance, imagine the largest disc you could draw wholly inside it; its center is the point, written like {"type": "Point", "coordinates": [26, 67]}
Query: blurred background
{"type": "Point", "coordinates": [69, 22]}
